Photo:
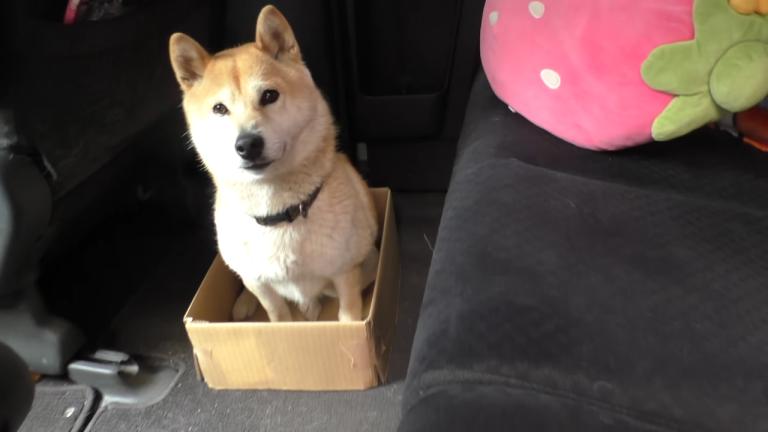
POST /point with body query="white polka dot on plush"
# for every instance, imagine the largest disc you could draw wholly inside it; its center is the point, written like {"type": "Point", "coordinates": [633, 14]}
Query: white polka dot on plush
{"type": "Point", "coordinates": [550, 78]}
{"type": "Point", "coordinates": [511, 109]}
{"type": "Point", "coordinates": [536, 8]}
{"type": "Point", "coordinates": [493, 17]}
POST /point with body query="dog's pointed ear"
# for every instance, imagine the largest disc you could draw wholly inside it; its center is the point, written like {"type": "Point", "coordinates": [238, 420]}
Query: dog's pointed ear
{"type": "Point", "coordinates": [188, 59]}
{"type": "Point", "coordinates": [274, 35]}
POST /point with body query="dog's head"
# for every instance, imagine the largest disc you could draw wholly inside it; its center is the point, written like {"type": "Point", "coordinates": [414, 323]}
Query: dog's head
{"type": "Point", "coordinates": [253, 111]}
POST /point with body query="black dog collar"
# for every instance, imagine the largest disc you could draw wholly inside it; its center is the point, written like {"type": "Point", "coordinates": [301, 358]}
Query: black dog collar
{"type": "Point", "coordinates": [291, 213]}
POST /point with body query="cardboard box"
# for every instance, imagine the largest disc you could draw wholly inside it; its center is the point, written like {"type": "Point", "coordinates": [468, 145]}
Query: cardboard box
{"type": "Point", "coordinates": [322, 355]}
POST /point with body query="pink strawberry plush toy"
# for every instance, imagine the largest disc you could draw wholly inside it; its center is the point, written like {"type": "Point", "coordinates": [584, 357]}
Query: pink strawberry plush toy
{"type": "Point", "coordinates": [611, 74]}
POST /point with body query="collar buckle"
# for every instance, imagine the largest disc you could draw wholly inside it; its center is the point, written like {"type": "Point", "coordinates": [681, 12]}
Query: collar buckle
{"type": "Point", "coordinates": [291, 213]}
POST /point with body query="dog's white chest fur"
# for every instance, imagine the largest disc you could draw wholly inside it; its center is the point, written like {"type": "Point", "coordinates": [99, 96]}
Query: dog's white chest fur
{"type": "Point", "coordinates": [260, 253]}
{"type": "Point", "coordinates": [298, 259]}
{"type": "Point", "coordinates": [289, 256]}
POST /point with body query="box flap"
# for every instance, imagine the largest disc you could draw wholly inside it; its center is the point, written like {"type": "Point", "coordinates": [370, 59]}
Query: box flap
{"type": "Point", "coordinates": [216, 296]}
{"type": "Point", "coordinates": [286, 356]}
{"type": "Point", "coordinates": [383, 315]}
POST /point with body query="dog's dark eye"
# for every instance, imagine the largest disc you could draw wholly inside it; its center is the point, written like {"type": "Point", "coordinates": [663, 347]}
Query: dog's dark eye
{"type": "Point", "coordinates": [269, 97]}
{"type": "Point", "coordinates": [220, 109]}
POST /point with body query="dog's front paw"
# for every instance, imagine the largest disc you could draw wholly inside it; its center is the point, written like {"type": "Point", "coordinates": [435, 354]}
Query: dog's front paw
{"type": "Point", "coordinates": [311, 310]}
{"type": "Point", "coordinates": [245, 306]}
{"type": "Point", "coordinates": [350, 316]}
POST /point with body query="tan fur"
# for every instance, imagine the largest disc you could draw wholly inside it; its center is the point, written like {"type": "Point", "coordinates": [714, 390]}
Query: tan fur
{"type": "Point", "coordinates": [332, 251]}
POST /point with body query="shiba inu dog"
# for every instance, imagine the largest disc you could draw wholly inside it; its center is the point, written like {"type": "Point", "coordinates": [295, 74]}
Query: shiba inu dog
{"type": "Point", "coordinates": [294, 219]}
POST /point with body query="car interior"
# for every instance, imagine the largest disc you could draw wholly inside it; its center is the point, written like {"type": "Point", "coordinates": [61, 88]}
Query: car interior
{"type": "Point", "coordinates": [542, 286]}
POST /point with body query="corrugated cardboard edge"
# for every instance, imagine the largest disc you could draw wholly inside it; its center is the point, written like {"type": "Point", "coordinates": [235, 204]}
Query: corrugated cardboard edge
{"type": "Point", "coordinates": [189, 317]}
{"type": "Point", "coordinates": [195, 361]}
{"type": "Point", "coordinates": [381, 321]}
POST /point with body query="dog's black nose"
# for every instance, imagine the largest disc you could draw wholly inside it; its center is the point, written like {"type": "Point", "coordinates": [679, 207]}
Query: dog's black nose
{"type": "Point", "coordinates": [249, 146]}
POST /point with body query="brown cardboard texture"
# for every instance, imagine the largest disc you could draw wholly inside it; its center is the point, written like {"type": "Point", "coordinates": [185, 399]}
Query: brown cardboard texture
{"type": "Point", "coordinates": [300, 355]}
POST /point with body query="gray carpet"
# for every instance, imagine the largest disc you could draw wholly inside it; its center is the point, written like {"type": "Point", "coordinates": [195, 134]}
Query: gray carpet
{"type": "Point", "coordinates": [151, 325]}
{"type": "Point", "coordinates": [60, 407]}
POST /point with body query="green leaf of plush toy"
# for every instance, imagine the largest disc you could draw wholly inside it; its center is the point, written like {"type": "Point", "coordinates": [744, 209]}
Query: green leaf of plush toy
{"type": "Point", "coordinates": [675, 69]}
{"type": "Point", "coordinates": [740, 79]}
{"type": "Point", "coordinates": [684, 114]}
{"type": "Point", "coordinates": [725, 64]}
